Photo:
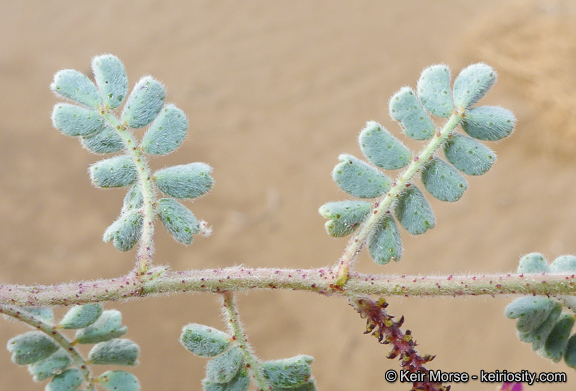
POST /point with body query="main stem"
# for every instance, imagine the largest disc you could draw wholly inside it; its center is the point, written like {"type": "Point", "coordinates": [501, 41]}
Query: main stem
{"type": "Point", "coordinates": [322, 281]}
{"type": "Point", "coordinates": [383, 205]}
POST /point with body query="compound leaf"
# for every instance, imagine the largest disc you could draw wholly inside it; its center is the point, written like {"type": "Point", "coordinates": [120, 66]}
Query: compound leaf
{"type": "Point", "coordinates": [384, 243]}
{"type": "Point", "coordinates": [557, 340]}
{"type": "Point", "coordinates": [468, 155]}
{"type": "Point", "coordinates": [223, 368]}
{"type": "Point", "coordinates": [472, 84]}
{"type": "Point", "coordinates": [203, 340]}
{"type": "Point", "coordinates": [414, 212]}
{"type": "Point", "coordinates": [104, 141]}
{"type": "Point", "coordinates": [443, 181]}
{"type": "Point", "coordinates": [166, 132]}
{"type": "Point", "coordinates": [125, 231]}
{"type": "Point", "coordinates": [240, 382]}
{"type": "Point", "coordinates": [77, 87]}
{"type": "Point", "coordinates": [81, 316]}
{"type": "Point", "coordinates": [117, 171]}
{"type": "Point", "coordinates": [408, 111]}
{"type": "Point", "coordinates": [110, 76]}
{"type": "Point", "coordinates": [144, 103]}
{"type": "Point", "coordinates": [381, 148]}
{"type": "Point", "coordinates": [434, 90]}
{"type": "Point", "coordinates": [69, 380]}
{"type": "Point", "coordinates": [118, 351]}
{"type": "Point", "coordinates": [31, 347]}
{"type": "Point", "coordinates": [107, 327]}
{"type": "Point", "coordinates": [76, 121]}
{"type": "Point", "coordinates": [344, 216]}
{"type": "Point", "coordinates": [359, 179]}
{"type": "Point", "coordinates": [533, 263]}
{"type": "Point", "coordinates": [178, 220]}
{"type": "Point", "coordinates": [184, 181]}
{"type": "Point", "coordinates": [289, 372]}
{"type": "Point", "coordinates": [119, 381]}
{"type": "Point", "coordinates": [489, 123]}
{"type": "Point", "coordinates": [50, 366]}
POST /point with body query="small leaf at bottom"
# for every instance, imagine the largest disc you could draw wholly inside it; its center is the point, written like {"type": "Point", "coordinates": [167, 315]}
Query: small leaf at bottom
{"type": "Point", "coordinates": [414, 212]}
{"type": "Point", "coordinates": [125, 232]}
{"type": "Point", "coordinates": [384, 243]}
{"type": "Point", "coordinates": [345, 216]}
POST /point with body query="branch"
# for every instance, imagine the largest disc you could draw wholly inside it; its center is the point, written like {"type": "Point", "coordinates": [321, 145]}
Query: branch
{"type": "Point", "coordinates": [384, 204]}
{"type": "Point", "coordinates": [321, 280]}
{"type": "Point", "coordinates": [235, 326]}
{"type": "Point", "coordinates": [50, 330]}
{"type": "Point", "coordinates": [146, 248]}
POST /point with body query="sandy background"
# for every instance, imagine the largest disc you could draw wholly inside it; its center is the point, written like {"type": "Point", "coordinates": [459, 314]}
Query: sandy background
{"type": "Point", "coordinates": [274, 92]}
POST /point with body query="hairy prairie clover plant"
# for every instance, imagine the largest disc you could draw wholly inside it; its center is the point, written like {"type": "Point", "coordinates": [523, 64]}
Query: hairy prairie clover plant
{"type": "Point", "coordinates": [106, 118]}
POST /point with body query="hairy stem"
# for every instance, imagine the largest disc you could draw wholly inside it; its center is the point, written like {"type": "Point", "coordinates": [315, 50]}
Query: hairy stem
{"type": "Point", "coordinates": [146, 248]}
{"type": "Point", "coordinates": [235, 326]}
{"type": "Point", "coordinates": [384, 204]}
{"type": "Point", "coordinates": [321, 280]}
{"type": "Point", "coordinates": [24, 316]}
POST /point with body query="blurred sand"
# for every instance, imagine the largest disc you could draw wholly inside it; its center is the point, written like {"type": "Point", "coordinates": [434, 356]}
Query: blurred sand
{"type": "Point", "coordinates": [274, 92]}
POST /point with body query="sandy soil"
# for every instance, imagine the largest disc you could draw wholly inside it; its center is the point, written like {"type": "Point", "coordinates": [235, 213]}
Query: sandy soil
{"type": "Point", "coordinates": [274, 92]}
